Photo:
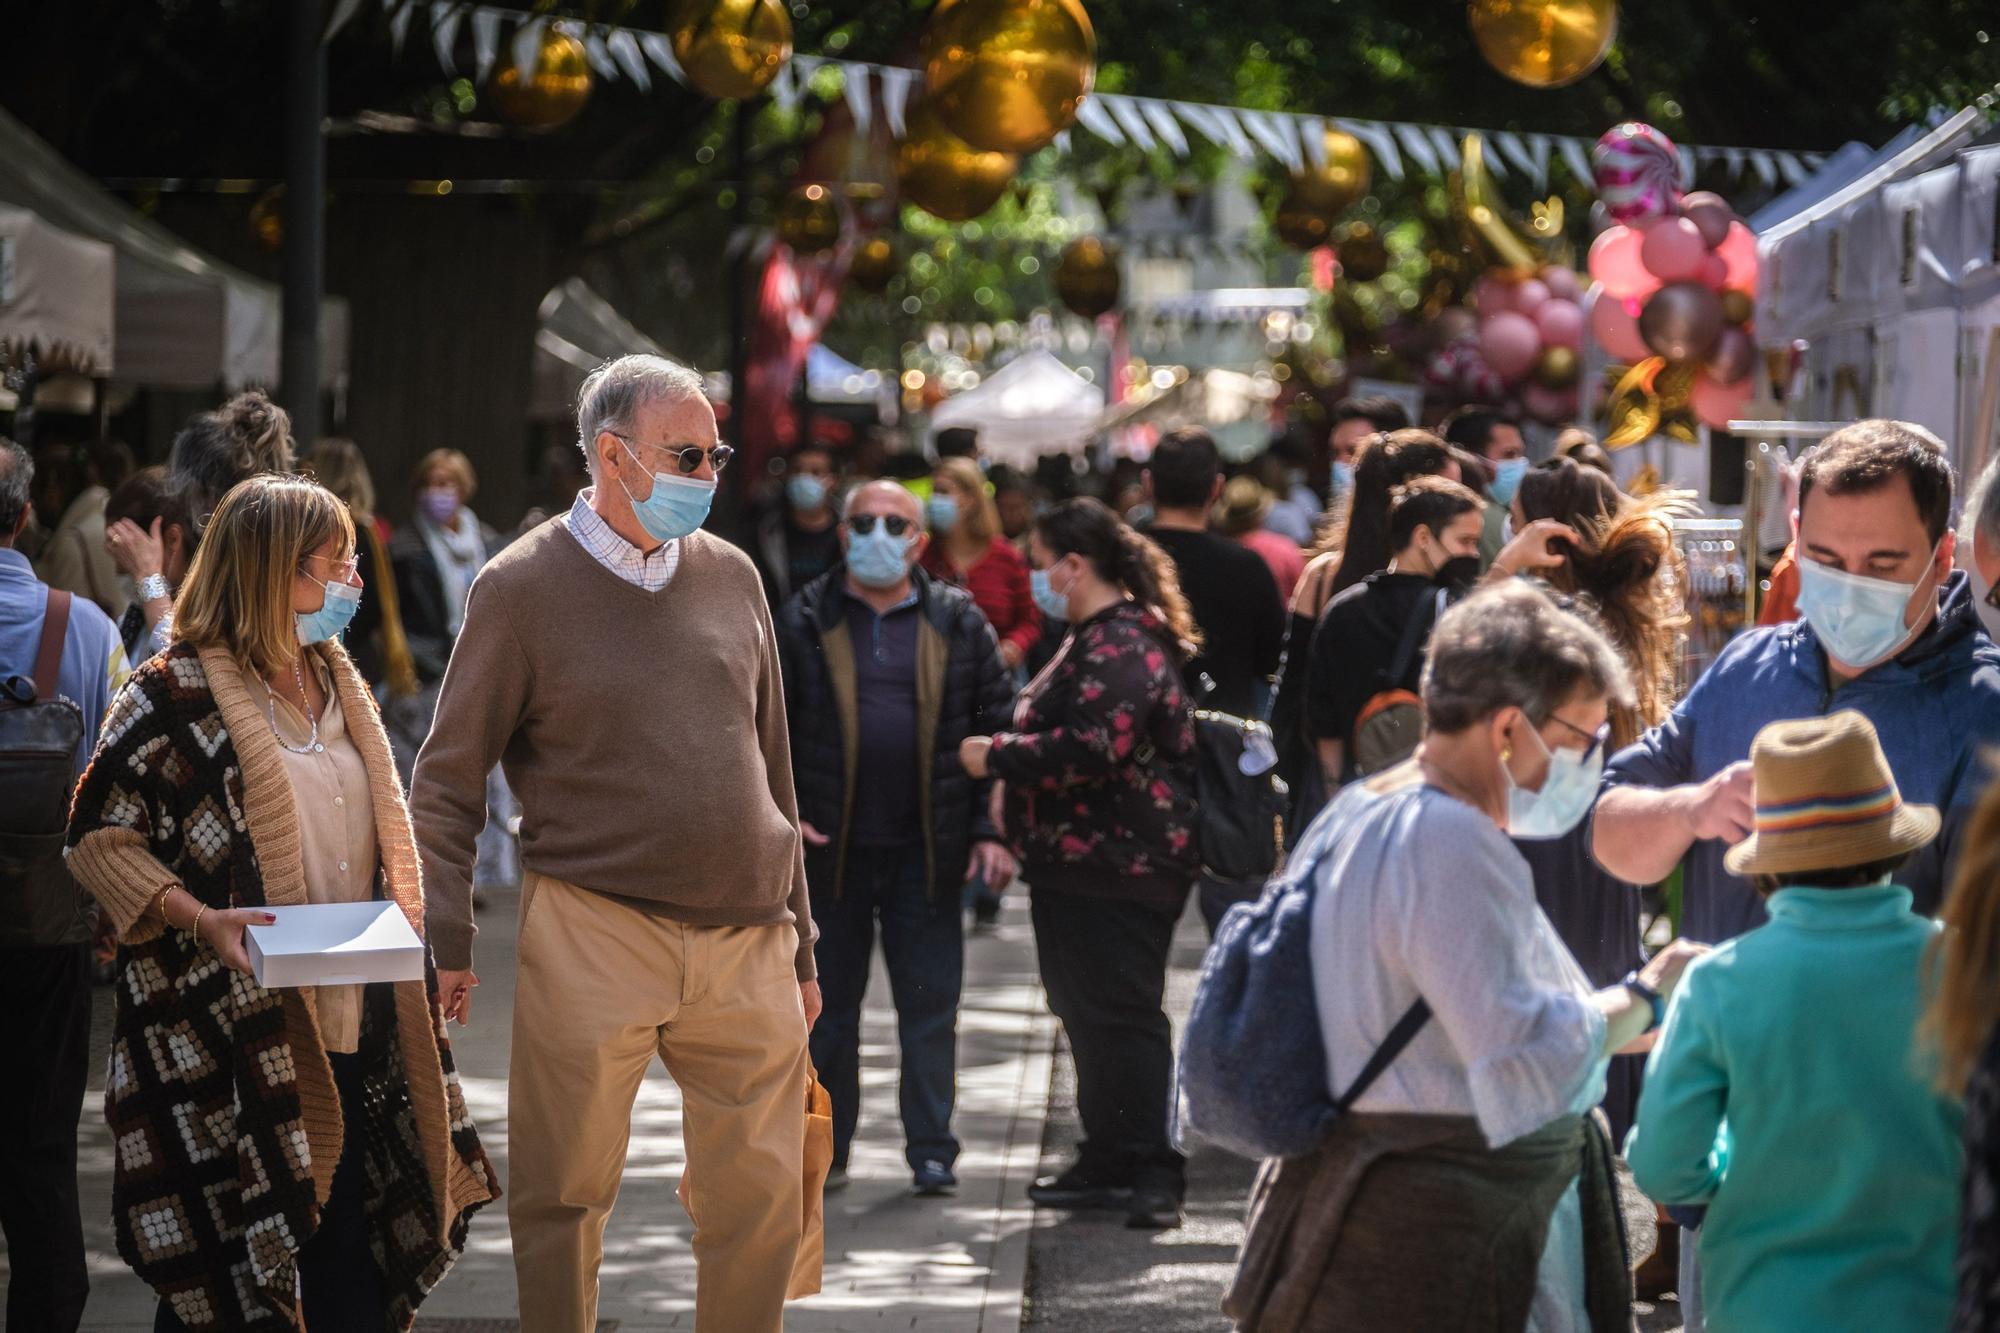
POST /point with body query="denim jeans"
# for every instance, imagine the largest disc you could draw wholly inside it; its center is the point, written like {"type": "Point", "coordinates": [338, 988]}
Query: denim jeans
{"type": "Point", "coordinates": [923, 943]}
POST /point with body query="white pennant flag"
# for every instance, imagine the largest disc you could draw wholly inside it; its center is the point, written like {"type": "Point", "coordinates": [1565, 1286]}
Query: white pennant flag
{"type": "Point", "coordinates": [1380, 142]}
{"type": "Point", "coordinates": [1061, 142]}
{"type": "Point", "coordinates": [594, 49]}
{"type": "Point", "coordinates": [1446, 145]}
{"type": "Point", "coordinates": [1313, 130]}
{"type": "Point", "coordinates": [896, 83]}
{"type": "Point", "coordinates": [1130, 120]}
{"type": "Point", "coordinates": [527, 46]}
{"type": "Point", "coordinates": [624, 46]}
{"type": "Point", "coordinates": [1515, 149]}
{"type": "Point", "coordinates": [1577, 160]}
{"type": "Point", "coordinates": [660, 51]}
{"type": "Point", "coordinates": [399, 25]}
{"type": "Point", "coordinates": [1538, 154]}
{"type": "Point", "coordinates": [784, 86]}
{"type": "Point", "coordinates": [343, 14]}
{"type": "Point", "coordinates": [445, 19]}
{"type": "Point", "coordinates": [485, 40]}
{"type": "Point", "coordinates": [1164, 125]}
{"type": "Point", "coordinates": [1733, 158]}
{"type": "Point", "coordinates": [1766, 165]}
{"type": "Point", "coordinates": [1791, 168]}
{"type": "Point", "coordinates": [860, 93]}
{"type": "Point", "coordinates": [1418, 145]}
{"type": "Point", "coordinates": [1276, 135]}
{"type": "Point", "coordinates": [1090, 114]}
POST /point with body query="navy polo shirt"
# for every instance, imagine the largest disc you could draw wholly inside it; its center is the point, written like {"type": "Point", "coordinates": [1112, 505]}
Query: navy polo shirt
{"type": "Point", "coordinates": [887, 811]}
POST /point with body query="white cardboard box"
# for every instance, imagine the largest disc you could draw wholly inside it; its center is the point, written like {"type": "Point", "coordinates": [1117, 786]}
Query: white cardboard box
{"type": "Point", "coordinates": [336, 944]}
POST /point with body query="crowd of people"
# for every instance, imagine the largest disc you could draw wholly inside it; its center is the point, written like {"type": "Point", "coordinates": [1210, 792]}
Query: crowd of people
{"type": "Point", "coordinates": [717, 771]}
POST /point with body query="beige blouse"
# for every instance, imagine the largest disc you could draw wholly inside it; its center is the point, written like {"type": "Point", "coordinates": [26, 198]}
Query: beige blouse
{"type": "Point", "coordinates": [337, 836]}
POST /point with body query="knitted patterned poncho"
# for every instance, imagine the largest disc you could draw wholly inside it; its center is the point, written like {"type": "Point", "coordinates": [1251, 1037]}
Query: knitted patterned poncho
{"type": "Point", "coordinates": [221, 1100]}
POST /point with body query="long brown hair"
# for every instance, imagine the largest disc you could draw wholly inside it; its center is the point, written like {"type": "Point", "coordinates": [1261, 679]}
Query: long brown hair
{"type": "Point", "coordinates": [980, 517]}
{"type": "Point", "coordinates": [1361, 534]}
{"type": "Point", "coordinates": [1627, 565]}
{"type": "Point", "coordinates": [1124, 557]}
{"type": "Point", "coordinates": [1964, 964]}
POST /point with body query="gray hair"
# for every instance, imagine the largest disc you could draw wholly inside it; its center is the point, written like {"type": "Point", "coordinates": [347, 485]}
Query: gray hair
{"type": "Point", "coordinates": [17, 478]}
{"type": "Point", "coordinates": [614, 392]}
{"type": "Point", "coordinates": [1512, 645]}
{"type": "Point", "coordinates": [879, 483]}
{"type": "Point", "coordinates": [1982, 508]}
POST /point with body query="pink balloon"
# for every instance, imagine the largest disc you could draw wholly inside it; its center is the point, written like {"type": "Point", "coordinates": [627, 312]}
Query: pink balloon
{"type": "Point", "coordinates": [1715, 403]}
{"type": "Point", "coordinates": [1714, 271]}
{"type": "Point", "coordinates": [1562, 283]}
{"type": "Point", "coordinates": [1549, 406]}
{"type": "Point", "coordinates": [1616, 263]}
{"type": "Point", "coordinates": [1509, 343]}
{"type": "Point", "coordinates": [1711, 214]}
{"type": "Point", "coordinates": [1560, 323]}
{"type": "Point", "coordinates": [1529, 296]}
{"type": "Point", "coordinates": [1672, 249]}
{"type": "Point", "coordinates": [1491, 297]}
{"type": "Point", "coordinates": [1739, 252]}
{"type": "Point", "coordinates": [1615, 325]}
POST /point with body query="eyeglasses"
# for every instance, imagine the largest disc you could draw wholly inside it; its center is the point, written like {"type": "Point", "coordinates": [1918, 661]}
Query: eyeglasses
{"type": "Point", "coordinates": [863, 524]}
{"type": "Point", "coordinates": [1596, 740]}
{"type": "Point", "coordinates": [345, 569]}
{"type": "Point", "coordinates": [687, 458]}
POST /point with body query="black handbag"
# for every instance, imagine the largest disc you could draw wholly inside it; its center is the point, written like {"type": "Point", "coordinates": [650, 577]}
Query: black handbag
{"type": "Point", "coordinates": [1241, 800]}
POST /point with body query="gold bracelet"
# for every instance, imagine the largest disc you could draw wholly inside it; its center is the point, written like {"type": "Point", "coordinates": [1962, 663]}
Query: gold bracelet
{"type": "Point", "coordinates": [194, 926]}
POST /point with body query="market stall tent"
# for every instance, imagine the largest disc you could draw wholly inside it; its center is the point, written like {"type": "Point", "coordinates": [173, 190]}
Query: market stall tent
{"type": "Point", "coordinates": [180, 318]}
{"type": "Point", "coordinates": [1231, 406]}
{"type": "Point", "coordinates": [1031, 406]}
{"type": "Point", "coordinates": [55, 295]}
{"type": "Point", "coordinates": [578, 332]}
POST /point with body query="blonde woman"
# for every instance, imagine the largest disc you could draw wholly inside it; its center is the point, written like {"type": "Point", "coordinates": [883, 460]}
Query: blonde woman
{"type": "Point", "coordinates": [967, 548]}
{"type": "Point", "coordinates": [244, 769]}
{"type": "Point", "coordinates": [375, 640]}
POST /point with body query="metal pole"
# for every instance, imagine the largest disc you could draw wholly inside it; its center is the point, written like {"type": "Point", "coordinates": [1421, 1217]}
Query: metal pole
{"type": "Point", "coordinates": [305, 217]}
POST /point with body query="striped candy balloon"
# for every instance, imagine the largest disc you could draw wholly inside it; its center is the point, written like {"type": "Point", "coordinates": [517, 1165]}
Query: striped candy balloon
{"type": "Point", "coordinates": [1638, 172]}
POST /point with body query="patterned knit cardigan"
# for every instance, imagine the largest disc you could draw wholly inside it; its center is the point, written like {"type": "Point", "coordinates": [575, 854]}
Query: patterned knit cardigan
{"type": "Point", "coordinates": [221, 1099]}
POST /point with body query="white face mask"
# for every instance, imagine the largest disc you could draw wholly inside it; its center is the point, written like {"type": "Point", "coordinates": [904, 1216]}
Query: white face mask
{"type": "Point", "coordinates": [1859, 620]}
{"type": "Point", "coordinates": [1565, 798]}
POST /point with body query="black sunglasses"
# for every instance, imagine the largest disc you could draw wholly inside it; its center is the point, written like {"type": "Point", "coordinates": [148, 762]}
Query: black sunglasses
{"type": "Point", "coordinates": [863, 524]}
{"type": "Point", "coordinates": [1596, 740]}
{"type": "Point", "coordinates": [688, 459]}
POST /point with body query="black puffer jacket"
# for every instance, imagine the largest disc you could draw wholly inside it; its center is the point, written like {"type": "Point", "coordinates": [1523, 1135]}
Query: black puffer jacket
{"type": "Point", "coordinates": [962, 690]}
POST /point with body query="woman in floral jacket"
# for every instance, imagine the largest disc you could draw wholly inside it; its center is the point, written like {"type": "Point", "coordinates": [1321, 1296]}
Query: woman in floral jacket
{"type": "Point", "coordinates": [289, 1157]}
{"type": "Point", "coordinates": [1100, 779]}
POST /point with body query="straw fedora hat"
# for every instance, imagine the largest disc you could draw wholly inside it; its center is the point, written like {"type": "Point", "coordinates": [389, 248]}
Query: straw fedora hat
{"type": "Point", "coordinates": [1244, 506]}
{"type": "Point", "coordinates": [1826, 800]}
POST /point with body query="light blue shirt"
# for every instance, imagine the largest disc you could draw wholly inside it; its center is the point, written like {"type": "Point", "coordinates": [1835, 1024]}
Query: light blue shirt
{"type": "Point", "coordinates": [93, 660]}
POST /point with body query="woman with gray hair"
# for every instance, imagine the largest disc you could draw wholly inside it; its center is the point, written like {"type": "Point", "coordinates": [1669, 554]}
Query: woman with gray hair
{"type": "Point", "coordinates": [1467, 1186]}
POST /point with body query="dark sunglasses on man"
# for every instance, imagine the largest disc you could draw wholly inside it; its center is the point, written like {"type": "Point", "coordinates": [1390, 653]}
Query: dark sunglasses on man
{"type": "Point", "coordinates": [861, 525]}
{"type": "Point", "coordinates": [687, 459]}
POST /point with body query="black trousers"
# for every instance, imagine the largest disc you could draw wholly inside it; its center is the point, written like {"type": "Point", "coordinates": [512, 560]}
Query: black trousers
{"type": "Point", "coordinates": [45, 997]}
{"type": "Point", "coordinates": [340, 1288]}
{"type": "Point", "coordinates": [1104, 966]}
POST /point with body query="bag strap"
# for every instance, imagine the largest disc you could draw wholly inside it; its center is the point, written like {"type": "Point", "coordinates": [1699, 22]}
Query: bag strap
{"type": "Point", "coordinates": [48, 656]}
{"type": "Point", "coordinates": [1414, 634]}
{"type": "Point", "coordinates": [1392, 1046]}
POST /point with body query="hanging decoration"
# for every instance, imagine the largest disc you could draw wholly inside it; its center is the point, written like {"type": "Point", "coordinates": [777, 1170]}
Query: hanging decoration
{"type": "Point", "coordinates": [549, 94]}
{"type": "Point", "coordinates": [1674, 292]}
{"type": "Point", "coordinates": [943, 174]}
{"type": "Point", "coordinates": [1009, 75]}
{"type": "Point", "coordinates": [1543, 43]}
{"type": "Point", "coordinates": [1299, 226]}
{"type": "Point", "coordinates": [267, 219]}
{"type": "Point", "coordinates": [730, 49]}
{"type": "Point", "coordinates": [1363, 256]}
{"type": "Point", "coordinates": [1087, 277]}
{"type": "Point", "coordinates": [874, 264]}
{"type": "Point", "coordinates": [1336, 180]}
{"type": "Point", "coordinates": [809, 219]}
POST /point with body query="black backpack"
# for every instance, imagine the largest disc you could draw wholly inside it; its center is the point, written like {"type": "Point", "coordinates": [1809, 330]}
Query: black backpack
{"type": "Point", "coordinates": [1390, 725]}
{"type": "Point", "coordinates": [39, 734]}
{"type": "Point", "coordinates": [1241, 800]}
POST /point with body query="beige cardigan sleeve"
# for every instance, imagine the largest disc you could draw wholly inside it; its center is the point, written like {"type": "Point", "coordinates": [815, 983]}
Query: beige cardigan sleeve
{"type": "Point", "coordinates": [125, 878]}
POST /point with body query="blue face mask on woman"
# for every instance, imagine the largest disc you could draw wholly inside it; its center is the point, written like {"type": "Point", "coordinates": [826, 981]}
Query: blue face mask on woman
{"type": "Point", "coordinates": [805, 490]}
{"type": "Point", "coordinates": [1507, 476]}
{"type": "Point", "coordinates": [1566, 794]}
{"type": "Point", "coordinates": [1053, 604]}
{"type": "Point", "coordinates": [677, 506]}
{"type": "Point", "coordinates": [942, 510]}
{"type": "Point", "coordinates": [333, 616]}
{"type": "Point", "coordinates": [1859, 620]}
{"type": "Point", "coordinates": [878, 560]}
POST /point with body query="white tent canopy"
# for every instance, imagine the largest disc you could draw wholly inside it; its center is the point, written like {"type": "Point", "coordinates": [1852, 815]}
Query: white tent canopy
{"type": "Point", "coordinates": [181, 319]}
{"type": "Point", "coordinates": [579, 332]}
{"type": "Point", "coordinates": [831, 378]}
{"type": "Point", "coordinates": [1233, 407]}
{"type": "Point", "coordinates": [1031, 406]}
{"type": "Point", "coordinates": [55, 294]}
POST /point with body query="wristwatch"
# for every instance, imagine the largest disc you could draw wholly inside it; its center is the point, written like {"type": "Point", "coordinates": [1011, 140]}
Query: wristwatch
{"type": "Point", "coordinates": [152, 586]}
{"type": "Point", "coordinates": [1649, 995]}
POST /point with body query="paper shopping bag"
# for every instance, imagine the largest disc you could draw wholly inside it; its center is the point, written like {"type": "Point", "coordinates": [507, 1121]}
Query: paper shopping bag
{"type": "Point", "coordinates": [807, 1269]}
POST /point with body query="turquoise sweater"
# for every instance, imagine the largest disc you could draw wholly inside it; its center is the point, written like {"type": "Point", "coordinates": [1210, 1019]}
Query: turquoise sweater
{"type": "Point", "coordinates": [1832, 1179]}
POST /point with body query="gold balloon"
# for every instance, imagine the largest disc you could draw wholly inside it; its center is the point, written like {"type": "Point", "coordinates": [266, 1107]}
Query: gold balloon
{"type": "Point", "coordinates": [1737, 307]}
{"type": "Point", "coordinates": [731, 48]}
{"type": "Point", "coordinates": [874, 263]}
{"type": "Point", "coordinates": [809, 220]}
{"type": "Point", "coordinates": [267, 219]}
{"type": "Point", "coordinates": [1332, 189]}
{"type": "Point", "coordinates": [1556, 368]}
{"type": "Point", "coordinates": [553, 92]}
{"type": "Point", "coordinates": [1299, 226]}
{"type": "Point", "coordinates": [1543, 43]}
{"type": "Point", "coordinates": [1363, 256]}
{"type": "Point", "coordinates": [943, 174]}
{"type": "Point", "coordinates": [1087, 277]}
{"type": "Point", "coordinates": [1008, 75]}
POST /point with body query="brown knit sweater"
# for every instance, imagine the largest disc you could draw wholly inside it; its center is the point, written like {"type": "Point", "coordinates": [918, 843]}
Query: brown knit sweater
{"type": "Point", "coordinates": [644, 733]}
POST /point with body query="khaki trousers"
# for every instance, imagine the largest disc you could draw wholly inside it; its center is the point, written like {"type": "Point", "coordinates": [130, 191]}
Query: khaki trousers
{"type": "Point", "coordinates": [603, 985]}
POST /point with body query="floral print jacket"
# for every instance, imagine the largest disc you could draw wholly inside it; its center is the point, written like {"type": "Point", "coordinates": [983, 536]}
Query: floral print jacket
{"type": "Point", "coordinates": [1100, 766]}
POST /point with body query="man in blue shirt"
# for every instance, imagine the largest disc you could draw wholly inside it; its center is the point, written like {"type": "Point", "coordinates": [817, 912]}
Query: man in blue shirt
{"type": "Point", "coordinates": [45, 955]}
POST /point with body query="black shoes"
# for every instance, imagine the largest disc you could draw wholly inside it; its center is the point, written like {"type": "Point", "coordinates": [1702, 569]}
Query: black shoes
{"type": "Point", "coordinates": [933, 1179]}
{"type": "Point", "coordinates": [1081, 1187]}
{"type": "Point", "coordinates": [1152, 1208]}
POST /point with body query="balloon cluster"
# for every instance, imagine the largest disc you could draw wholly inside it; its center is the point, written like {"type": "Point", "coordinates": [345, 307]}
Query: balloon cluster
{"type": "Point", "coordinates": [1526, 344]}
{"type": "Point", "coordinates": [1675, 276]}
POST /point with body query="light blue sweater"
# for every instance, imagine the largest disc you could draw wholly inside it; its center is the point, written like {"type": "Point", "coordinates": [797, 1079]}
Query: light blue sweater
{"type": "Point", "coordinates": [1787, 1095]}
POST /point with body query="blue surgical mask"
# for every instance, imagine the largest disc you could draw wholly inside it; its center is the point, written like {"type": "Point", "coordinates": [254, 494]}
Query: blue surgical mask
{"type": "Point", "coordinates": [1859, 620]}
{"type": "Point", "coordinates": [1343, 476]}
{"type": "Point", "coordinates": [677, 506]}
{"type": "Point", "coordinates": [1507, 476]}
{"type": "Point", "coordinates": [342, 601]}
{"type": "Point", "coordinates": [942, 511]}
{"type": "Point", "coordinates": [1053, 604]}
{"type": "Point", "coordinates": [1565, 798]}
{"type": "Point", "coordinates": [878, 560]}
{"type": "Point", "coordinates": [805, 490]}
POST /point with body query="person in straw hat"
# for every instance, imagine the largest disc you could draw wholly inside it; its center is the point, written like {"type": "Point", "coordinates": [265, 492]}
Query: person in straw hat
{"type": "Point", "coordinates": [1787, 1093]}
{"type": "Point", "coordinates": [1243, 514]}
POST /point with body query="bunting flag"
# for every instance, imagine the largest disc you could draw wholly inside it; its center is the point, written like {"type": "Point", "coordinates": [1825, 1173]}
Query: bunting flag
{"type": "Point", "coordinates": [1295, 140]}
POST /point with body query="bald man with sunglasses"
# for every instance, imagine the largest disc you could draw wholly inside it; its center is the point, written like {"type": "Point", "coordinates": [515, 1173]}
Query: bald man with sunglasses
{"type": "Point", "coordinates": [622, 667]}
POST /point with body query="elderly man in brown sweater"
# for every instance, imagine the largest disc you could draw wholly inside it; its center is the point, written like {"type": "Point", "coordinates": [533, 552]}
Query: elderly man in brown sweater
{"type": "Point", "coordinates": [621, 665]}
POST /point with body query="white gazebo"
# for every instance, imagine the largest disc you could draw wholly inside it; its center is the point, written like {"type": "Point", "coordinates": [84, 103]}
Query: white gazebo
{"type": "Point", "coordinates": [1031, 406]}
{"type": "Point", "coordinates": [55, 296]}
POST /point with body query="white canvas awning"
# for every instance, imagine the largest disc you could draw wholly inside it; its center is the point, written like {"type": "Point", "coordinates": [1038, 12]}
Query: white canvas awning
{"type": "Point", "coordinates": [1031, 406]}
{"type": "Point", "coordinates": [55, 294]}
{"type": "Point", "coordinates": [180, 318]}
{"type": "Point", "coordinates": [579, 331]}
{"type": "Point", "coordinates": [1233, 407]}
